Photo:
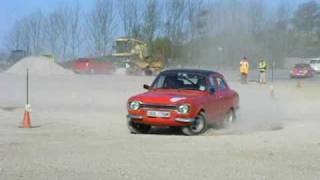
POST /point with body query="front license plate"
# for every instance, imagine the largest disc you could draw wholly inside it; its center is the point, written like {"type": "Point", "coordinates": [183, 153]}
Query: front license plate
{"type": "Point", "coordinates": [161, 114]}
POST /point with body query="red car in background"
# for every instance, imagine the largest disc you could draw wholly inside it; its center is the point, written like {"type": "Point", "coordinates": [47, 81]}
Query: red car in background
{"type": "Point", "coordinates": [92, 66]}
{"type": "Point", "coordinates": [186, 98]}
{"type": "Point", "coordinates": [302, 70]}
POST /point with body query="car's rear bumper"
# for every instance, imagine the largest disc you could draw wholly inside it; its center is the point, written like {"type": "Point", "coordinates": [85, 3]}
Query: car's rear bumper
{"type": "Point", "coordinates": [154, 121]}
{"type": "Point", "coordinates": [300, 75]}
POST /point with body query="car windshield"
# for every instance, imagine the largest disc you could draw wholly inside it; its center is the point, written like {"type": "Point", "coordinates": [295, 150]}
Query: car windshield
{"type": "Point", "coordinates": [302, 66]}
{"type": "Point", "coordinates": [315, 62]}
{"type": "Point", "coordinates": [180, 80]}
{"type": "Point", "coordinates": [83, 60]}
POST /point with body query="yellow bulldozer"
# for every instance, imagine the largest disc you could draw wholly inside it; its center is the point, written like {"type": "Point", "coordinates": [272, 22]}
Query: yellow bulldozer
{"type": "Point", "coordinates": [134, 55]}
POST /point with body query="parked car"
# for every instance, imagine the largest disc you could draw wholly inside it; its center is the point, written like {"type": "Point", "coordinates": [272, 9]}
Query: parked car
{"type": "Point", "coordinates": [302, 70]}
{"type": "Point", "coordinates": [186, 98]}
{"type": "Point", "coordinates": [92, 66]}
{"type": "Point", "coordinates": [315, 65]}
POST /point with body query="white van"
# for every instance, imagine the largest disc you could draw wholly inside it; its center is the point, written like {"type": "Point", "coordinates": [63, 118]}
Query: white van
{"type": "Point", "coordinates": [315, 64]}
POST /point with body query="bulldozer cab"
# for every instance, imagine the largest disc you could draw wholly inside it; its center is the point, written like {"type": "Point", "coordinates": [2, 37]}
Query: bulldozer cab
{"type": "Point", "coordinates": [124, 47]}
{"type": "Point", "coordinates": [135, 57]}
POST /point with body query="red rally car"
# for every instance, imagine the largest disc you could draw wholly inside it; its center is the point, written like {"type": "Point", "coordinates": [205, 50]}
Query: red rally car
{"type": "Point", "coordinates": [92, 66]}
{"type": "Point", "coordinates": [186, 98]}
{"type": "Point", "coordinates": [302, 70]}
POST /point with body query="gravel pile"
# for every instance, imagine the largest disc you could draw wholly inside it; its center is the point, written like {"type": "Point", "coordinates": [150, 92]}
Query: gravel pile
{"type": "Point", "coordinates": [38, 65]}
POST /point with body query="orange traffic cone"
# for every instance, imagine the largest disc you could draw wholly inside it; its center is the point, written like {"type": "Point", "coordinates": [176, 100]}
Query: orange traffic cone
{"type": "Point", "coordinates": [26, 122]}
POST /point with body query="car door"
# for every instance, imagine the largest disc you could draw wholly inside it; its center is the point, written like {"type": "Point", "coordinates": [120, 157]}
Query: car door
{"type": "Point", "coordinates": [222, 95]}
{"type": "Point", "coordinates": [214, 102]}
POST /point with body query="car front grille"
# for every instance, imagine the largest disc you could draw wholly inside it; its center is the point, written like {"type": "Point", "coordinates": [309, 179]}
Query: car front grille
{"type": "Point", "coordinates": [158, 106]}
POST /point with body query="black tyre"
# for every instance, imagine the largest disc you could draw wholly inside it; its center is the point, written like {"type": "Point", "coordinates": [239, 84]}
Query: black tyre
{"type": "Point", "coordinates": [229, 118]}
{"type": "Point", "coordinates": [137, 128]}
{"type": "Point", "coordinates": [199, 126]}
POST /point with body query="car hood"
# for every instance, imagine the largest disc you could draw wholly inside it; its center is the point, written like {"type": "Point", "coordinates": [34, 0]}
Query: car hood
{"type": "Point", "coordinates": [298, 70]}
{"type": "Point", "coordinates": [172, 97]}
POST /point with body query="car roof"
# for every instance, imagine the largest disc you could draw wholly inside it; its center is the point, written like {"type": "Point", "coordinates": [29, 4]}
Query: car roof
{"type": "Point", "coordinates": [198, 71]}
{"type": "Point", "coordinates": [83, 59]}
{"type": "Point", "coordinates": [302, 64]}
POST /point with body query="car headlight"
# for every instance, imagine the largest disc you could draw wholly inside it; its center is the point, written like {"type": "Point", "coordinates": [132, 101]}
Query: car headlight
{"type": "Point", "coordinates": [183, 109]}
{"type": "Point", "coordinates": [134, 105]}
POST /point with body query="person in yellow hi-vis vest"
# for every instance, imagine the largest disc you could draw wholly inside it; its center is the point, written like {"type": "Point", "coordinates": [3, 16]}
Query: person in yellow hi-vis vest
{"type": "Point", "coordinates": [262, 70]}
{"type": "Point", "coordinates": [244, 70]}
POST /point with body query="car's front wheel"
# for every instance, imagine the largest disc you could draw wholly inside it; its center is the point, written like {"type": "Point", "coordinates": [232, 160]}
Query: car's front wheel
{"type": "Point", "coordinates": [138, 128]}
{"type": "Point", "coordinates": [199, 126]}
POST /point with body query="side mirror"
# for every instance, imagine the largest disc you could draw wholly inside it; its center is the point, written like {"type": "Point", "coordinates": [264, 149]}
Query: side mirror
{"type": "Point", "coordinates": [212, 90]}
{"type": "Point", "coordinates": [145, 86]}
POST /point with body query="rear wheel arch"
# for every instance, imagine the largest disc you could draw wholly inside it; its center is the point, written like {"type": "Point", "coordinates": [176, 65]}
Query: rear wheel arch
{"type": "Point", "coordinates": [232, 111]}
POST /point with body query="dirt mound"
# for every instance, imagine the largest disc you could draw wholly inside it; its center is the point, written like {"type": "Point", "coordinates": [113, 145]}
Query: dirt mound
{"type": "Point", "coordinates": [38, 65]}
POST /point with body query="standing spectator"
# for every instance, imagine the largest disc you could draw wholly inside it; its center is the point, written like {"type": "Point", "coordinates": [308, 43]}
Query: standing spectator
{"type": "Point", "coordinates": [262, 70]}
{"type": "Point", "coordinates": [244, 70]}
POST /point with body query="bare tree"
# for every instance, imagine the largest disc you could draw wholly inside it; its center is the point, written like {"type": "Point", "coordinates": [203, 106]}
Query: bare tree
{"type": "Point", "coordinates": [130, 15]}
{"type": "Point", "coordinates": [215, 20]}
{"type": "Point", "coordinates": [14, 39]}
{"type": "Point", "coordinates": [56, 33]}
{"type": "Point", "coordinates": [100, 24]}
{"type": "Point", "coordinates": [150, 20]}
{"type": "Point", "coordinates": [26, 34]}
{"type": "Point", "coordinates": [62, 30]}
{"type": "Point", "coordinates": [197, 18]}
{"type": "Point", "coordinates": [64, 25]}
{"type": "Point", "coordinates": [24, 31]}
{"type": "Point", "coordinates": [53, 32]}
{"type": "Point", "coordinates": [75, 29]}
{"type": "Point", "coordinates": [226, 30]}
{"type": "Point", "coordinates": [174, 20]}
{"type": "Point", "coordinates": [257, 15]}
{"type": "Point", "coordinates": [34, 25]}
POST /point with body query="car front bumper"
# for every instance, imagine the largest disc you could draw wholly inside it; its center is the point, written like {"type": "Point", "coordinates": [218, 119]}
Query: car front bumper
{"type": "Point", "coordinates": [300, 75]}
{"type": "Point", "coordinates": [155, 121]}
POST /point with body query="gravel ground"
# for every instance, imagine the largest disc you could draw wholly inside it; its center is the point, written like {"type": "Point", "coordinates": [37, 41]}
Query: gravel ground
{"type": "Point", "coordinates": [80, 133]}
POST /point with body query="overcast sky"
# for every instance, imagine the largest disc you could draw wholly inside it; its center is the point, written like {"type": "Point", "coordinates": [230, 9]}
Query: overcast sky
{"type": "Point", "coordinates": [11, 10]}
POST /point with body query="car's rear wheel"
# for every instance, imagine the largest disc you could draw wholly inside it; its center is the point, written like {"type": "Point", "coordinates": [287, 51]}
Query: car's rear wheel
{"type": "Point", "coordinates": [138, 128]}
{"type": "Point", "coordinates": [229, 118]}
{"type": "Point", "coordinates": [199, 126]}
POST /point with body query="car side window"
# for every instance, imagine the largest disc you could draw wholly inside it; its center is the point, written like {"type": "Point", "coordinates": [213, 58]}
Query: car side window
{"type": "Point", "coordinates": [160, 82]}
{"type": "Point", "coordinates": [221, 84]}
{"type": "Point", "coordinates": [212, 83]}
